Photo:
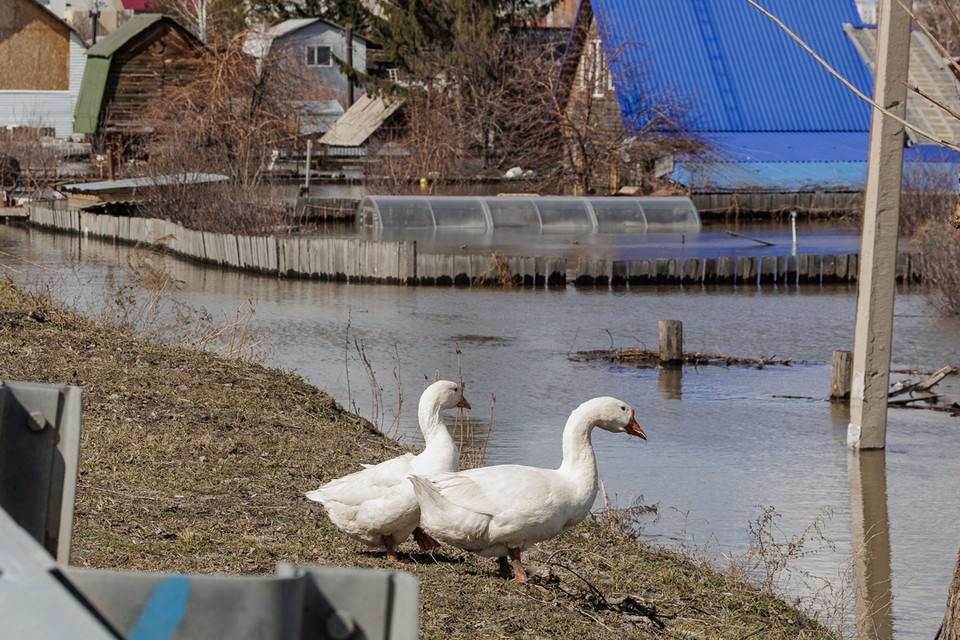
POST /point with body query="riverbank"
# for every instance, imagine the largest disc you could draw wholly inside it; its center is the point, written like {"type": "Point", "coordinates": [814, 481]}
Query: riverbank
{"type": "Point", "coordinates": [190, 462]}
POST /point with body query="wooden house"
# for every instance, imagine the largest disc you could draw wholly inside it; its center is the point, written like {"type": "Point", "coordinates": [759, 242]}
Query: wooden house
{"type": "Point", "coordinates": [312, 49]}
{"type": "Point", "coordinates": [130, 70]}
{"type": "Point", "coordinates": [41, 63]}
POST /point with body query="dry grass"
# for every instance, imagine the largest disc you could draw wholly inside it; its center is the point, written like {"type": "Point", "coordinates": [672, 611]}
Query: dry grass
{"type": "Point", "coordinates": [191, 462]}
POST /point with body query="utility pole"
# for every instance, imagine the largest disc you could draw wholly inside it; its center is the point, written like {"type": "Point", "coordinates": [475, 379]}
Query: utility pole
{"type": "Point", "coordinates": [873, 335]}
{"type": "Point", "coordinates": [349, 36]}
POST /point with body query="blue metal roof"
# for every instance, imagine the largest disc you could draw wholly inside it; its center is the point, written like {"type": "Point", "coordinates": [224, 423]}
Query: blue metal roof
{"type": "Point", "coordinates": [731, 67]}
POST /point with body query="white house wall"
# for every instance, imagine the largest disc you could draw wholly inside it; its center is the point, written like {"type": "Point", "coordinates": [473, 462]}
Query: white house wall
{"type": "Point", "coordinates": [46, 109]}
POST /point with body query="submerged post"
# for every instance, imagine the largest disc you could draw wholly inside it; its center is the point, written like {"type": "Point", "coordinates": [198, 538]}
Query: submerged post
{"type": "Point", "coordinates": [671, 342]}
{"type": "Point", "coordinates": [878, 249]}
{"type": "Point", "coordinates": [840, 375]}
{"type": "Point", "coordinates": [306, 180]}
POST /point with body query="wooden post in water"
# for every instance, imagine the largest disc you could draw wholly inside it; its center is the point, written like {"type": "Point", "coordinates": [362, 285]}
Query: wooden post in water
{"type": "Point", "coordinates": [840, 375]}
{"type": "Point", "coordinates": [671, 342]}
{"type": "Point", "coordinates": [306, 179]}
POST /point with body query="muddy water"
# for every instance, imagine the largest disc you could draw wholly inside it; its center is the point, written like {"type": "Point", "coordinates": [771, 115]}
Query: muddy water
{"type": "Point", "coordinates": [722, 444]}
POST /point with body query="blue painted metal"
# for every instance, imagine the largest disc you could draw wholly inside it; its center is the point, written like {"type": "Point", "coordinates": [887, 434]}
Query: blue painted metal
{"type": "Point", "coordinates": [836, 146]}
{"type": "Point", "coordinates": [789, 177]}
{"type": "Point", "coordinates": [163, 610]}
{"type": "Point", "coordinates": [733, 68]}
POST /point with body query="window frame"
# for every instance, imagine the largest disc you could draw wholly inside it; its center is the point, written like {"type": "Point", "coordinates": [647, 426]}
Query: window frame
{"type": "Point", "coordinates": [314, 48]}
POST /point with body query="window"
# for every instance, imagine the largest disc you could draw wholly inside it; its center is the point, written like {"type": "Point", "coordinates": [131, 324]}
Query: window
{"type": "Point", "coordinates": [319, 57]}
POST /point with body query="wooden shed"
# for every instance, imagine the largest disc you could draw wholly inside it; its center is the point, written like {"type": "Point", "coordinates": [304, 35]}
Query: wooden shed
{"type": "Point", "coordinates": [130, 70]}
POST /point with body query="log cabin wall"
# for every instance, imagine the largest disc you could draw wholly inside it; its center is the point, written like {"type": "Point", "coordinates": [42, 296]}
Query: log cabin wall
{"type": "Point", "coordinates": [156, 60]}
{"type": "Point", "coordinates": [34, 49]}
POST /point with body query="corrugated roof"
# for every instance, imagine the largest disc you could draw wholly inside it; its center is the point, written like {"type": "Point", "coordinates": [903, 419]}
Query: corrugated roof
{"type": "Point", "coordinates": [317, 116]}
{"type": "Point", "coordinates": [361, 120]}
{"type": "Point", "coordinates": [732, 67]}
{"type": "Point", "coordinates": [930, 73]}
{"type": "Point", "coordinates": [146, 181]}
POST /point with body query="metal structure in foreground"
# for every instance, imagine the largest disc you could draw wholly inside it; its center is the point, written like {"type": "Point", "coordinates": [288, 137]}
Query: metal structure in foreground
{"type": "Point", "coordinates": [41, 598]}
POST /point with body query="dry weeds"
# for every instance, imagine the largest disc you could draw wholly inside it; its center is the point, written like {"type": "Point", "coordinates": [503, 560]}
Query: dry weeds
{"type": "Point", "coordinates": [192, 462]}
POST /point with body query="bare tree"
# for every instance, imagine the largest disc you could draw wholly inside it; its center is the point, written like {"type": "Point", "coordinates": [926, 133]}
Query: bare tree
{"type": "Point", "coordinates": [232, 119]}
{"type": "Point", "coordinates": [489, 103]}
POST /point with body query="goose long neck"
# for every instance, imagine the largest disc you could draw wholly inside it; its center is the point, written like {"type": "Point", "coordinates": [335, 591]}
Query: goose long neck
{"type": "Point", "coordinates": [578, 457]}
{"type": "Point", "coordinates": [437, 439]}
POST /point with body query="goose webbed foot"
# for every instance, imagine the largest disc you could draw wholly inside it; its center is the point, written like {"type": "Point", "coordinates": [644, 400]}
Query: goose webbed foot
{"type": "Point", "coordinates": [424, 541]}
{"type": "Point", "coordinates": [519, 573]}
{"type": "Point", "coordinates": [391, 547]}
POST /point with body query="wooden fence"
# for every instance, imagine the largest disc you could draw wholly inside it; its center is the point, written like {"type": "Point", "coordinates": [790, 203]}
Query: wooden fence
{"type": "Point", "coordinates": [357, 260]}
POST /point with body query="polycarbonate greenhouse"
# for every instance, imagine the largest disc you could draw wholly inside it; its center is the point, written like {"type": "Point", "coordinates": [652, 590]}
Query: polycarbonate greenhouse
{"type": "Point", "coordinates": [532, 213]}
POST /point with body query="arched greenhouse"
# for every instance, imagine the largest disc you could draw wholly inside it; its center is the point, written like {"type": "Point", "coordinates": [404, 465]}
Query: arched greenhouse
{"type": "Point", "coordinates": [531, 213]}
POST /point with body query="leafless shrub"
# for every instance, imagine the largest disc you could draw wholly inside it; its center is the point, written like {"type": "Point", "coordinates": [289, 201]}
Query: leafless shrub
{"type": "Point", "coordinates": [143, 299]}
{"type": "Point", "coordinates": [629, 520]}
{"type": "Point", "coordinates": [231, 119]}
{"type": "Point", "coordinates": [26, 161]}
{"type": "Point", "coordinates": [940, 17]}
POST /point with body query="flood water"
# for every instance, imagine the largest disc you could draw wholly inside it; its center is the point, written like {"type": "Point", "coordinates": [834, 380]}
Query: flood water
{"type": "Point", "coordinates": [721, 447]}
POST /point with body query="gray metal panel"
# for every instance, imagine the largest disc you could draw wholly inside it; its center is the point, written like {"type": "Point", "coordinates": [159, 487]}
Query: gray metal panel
{"type": "Point", "coordinates": [181, 606]}
{"type": "Point", "coordinates": [381, 605]}
{"type": "Point", "coordinates": [39, 452]}
{"type": "Point", "coordinates": [34, 602]}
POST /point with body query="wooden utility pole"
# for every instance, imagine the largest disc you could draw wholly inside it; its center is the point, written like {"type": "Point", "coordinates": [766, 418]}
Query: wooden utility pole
{"type": "Point", "coordinates": [873, 334]}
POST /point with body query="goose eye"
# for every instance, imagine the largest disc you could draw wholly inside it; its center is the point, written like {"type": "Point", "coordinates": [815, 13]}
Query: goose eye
{"type": "Point", "coordinates": [622, 408]}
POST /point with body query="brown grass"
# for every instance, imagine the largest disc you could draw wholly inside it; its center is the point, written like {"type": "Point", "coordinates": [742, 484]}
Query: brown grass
{"type": "Point", "coordinates": [192, 462]}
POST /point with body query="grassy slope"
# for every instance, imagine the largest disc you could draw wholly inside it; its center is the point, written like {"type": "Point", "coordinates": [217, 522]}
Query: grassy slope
{"type": "Point", "coordinates": [195, 463]}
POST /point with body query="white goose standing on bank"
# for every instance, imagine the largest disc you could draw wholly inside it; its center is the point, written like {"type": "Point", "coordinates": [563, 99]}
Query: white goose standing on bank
{"type": "Point", "coordinates": [377, 505]}
{"type": "Point", "coordinates": [501, 511]}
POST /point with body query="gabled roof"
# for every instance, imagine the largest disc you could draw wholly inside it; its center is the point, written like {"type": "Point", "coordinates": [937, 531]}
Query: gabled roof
{"type": "Point", "coordinates": [69, 27]}
{"type": "Point", "coordinates": [733, 68]}
{"type": "Point", "coordinates": [259, 41]}
{"type": "Point", "coordinates": [127, 31]}
{"type": "Point", "coordinates": [361, 120]}
{"type": "Point", "coordinates": [99, 57]}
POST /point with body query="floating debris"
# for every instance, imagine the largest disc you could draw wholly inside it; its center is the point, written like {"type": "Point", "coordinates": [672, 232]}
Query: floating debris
{"type": "Point", "coordinates": [647, 358]}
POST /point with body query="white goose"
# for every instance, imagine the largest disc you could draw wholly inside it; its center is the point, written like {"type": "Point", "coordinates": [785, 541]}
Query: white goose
{"type": "Point", "coordinates": [377, 505]}
{"type": "Point", "coordinates": [501, 511]}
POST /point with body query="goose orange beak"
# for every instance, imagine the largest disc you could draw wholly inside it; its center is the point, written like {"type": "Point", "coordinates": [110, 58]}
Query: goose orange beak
{"type": "Point", "coordinates": [633, 427]}
{"type": "Point", "coordinates": [462, 403]}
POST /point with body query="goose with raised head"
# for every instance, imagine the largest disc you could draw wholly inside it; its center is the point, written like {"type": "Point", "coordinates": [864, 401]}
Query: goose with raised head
{"type": "Point", "coordinates": [501, 511]}
{"type": "Point", "coordinates": [377, 505]}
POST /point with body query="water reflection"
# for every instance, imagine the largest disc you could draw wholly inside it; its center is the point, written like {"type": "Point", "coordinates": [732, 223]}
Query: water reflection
{"type": "Point", "coordinates": [870, 537]}
{"type": "Point", "coordinates": [670, 383]}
